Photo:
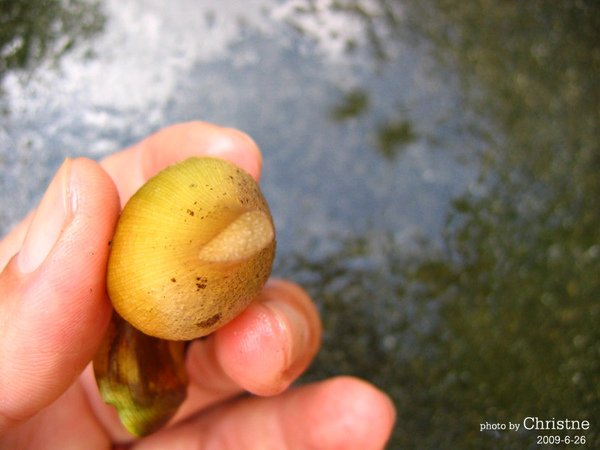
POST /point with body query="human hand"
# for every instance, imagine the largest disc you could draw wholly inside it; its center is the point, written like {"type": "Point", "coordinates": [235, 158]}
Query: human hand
{"type": "Point", "coordinates": [54, 311]}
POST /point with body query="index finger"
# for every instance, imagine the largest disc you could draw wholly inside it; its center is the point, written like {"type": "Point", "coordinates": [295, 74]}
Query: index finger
{"type": "Point", "coordinates": [133, 166]}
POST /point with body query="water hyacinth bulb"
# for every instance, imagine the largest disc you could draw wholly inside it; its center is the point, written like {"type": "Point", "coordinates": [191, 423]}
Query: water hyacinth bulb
{"type": "Point", "coordinates": [192, 248]}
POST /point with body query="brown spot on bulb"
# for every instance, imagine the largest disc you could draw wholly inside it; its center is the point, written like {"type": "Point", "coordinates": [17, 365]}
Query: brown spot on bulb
{"type": "Point", "coordinates": [209, 322]}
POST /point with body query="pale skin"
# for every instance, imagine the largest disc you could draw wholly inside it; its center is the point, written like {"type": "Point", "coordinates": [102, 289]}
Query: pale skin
{"type": "Point", "coordinates": [54, 311]}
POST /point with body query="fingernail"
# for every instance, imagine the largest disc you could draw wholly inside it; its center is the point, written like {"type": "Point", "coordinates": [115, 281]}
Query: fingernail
{"type": "Point", "coordinates": [243, 148]}
{"type": "Point", "coordinates": [52, 216]}
{"type": "Point", "coordinates": [244, 138]}
{"type": "Point", "coordinates": [295, 324]}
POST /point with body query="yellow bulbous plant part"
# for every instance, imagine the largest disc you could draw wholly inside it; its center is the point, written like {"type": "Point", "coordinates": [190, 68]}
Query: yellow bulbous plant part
{"type": "Point", "coordinates": [192, 248]}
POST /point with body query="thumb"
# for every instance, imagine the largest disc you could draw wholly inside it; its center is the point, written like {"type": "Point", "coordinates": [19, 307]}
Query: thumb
{"type": "Point", "coordinates": [53, 304]}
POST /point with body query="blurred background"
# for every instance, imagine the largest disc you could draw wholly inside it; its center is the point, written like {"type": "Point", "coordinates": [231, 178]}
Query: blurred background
{"type": "Point", "coordinates": [433, 167]}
